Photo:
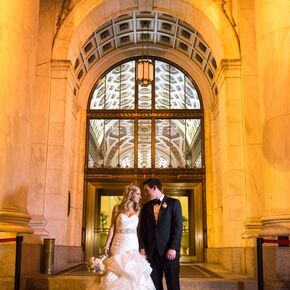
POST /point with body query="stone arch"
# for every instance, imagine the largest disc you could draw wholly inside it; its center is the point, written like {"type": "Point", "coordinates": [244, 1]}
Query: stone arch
{"type": "Point", "coordinates": [204, 15]}
{"type": "Point", "coordinates": [172, 55]}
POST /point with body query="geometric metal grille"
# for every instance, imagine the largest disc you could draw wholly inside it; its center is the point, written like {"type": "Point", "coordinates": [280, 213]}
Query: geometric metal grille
{"type": "Point", "coordinates": [131, 126]}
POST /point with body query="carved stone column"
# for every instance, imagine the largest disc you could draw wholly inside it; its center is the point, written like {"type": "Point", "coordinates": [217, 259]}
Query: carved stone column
{"type": "Point", "coordinates": [273, 38]}
{"type": "Point", "coordinates": [18, 26]}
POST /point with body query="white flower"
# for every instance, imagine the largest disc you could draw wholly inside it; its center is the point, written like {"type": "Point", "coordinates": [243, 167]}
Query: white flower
{"type": "Point", "coordinates": [164, 205]}
{"type": "Point", "coordinates": [96, 264]}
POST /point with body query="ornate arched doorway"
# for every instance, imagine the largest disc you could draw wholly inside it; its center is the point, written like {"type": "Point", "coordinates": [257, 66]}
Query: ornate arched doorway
{"type": "Point", "coordinates": [135, 132]}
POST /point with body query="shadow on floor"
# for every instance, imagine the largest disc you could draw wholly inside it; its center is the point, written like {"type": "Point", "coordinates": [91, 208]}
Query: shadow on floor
{"type": "Point", "coordinates": [196, 271]}
{"type": "Point", "coordinates": [186, 271]}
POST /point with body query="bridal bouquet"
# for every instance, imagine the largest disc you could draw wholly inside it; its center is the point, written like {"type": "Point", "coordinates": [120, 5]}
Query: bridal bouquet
{"type": "Point", "coordinates": [96, 265]}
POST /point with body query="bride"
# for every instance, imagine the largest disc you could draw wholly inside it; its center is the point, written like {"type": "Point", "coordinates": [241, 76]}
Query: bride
{"type": "Point", "coordinates": [126, 269]}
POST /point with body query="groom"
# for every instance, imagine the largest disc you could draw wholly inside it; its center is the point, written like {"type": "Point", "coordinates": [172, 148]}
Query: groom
{"type": "Point", "coordinates": [160, 232]}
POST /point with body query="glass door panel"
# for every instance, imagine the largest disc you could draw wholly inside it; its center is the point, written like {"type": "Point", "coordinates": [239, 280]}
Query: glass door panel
{"type": "Point", "coordinates": [185, 224]}
{"type": "Point", "coordinates": [106, 206]}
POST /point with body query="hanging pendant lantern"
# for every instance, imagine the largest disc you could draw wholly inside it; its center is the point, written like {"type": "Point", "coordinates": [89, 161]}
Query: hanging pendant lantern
{"type": "Point", "coordinates": [145, 71]}
{"type": "Point", "coordinates": [145, 68]}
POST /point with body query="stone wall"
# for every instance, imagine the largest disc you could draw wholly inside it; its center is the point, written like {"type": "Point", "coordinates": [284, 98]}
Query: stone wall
{"type": "Point", "coordinates": [276, 263]}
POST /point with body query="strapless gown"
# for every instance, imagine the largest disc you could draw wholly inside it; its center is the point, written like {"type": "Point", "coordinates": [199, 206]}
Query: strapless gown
{"type": "Point", "coordinates": [126, 269]}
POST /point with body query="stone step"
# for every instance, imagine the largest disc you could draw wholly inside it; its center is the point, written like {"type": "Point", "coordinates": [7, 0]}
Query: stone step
{"type": "Point", "coordinates": [198, 284]}
{"type": "Point", "coordinates": [192, 277]}
{"type": "Point", "coordinates": [60, 282]}
{"type": "Point", "coordinates": [65, 282]}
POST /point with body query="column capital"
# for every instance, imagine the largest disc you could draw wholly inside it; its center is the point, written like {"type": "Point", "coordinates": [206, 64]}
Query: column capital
{"type": "Point", "coordinates": [63, 69]}
{"type": "Point", "coordinates": [228, 68]}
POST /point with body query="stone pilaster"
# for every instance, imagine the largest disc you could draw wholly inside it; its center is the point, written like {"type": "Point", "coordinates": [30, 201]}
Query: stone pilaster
{"type": "Point", "coordinates": [61, 141]}
{"type": "Point", "coordinates": [228, 156]}
{"type": "Point", "coordinates": [252, 123]}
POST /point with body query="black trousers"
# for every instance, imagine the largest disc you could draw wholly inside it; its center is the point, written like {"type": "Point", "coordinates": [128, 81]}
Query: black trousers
{"type": "Point", "coordinates": [170, 268]}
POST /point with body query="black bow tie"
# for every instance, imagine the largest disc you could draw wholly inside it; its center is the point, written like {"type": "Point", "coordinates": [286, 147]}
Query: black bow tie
{"type": "Point", "coordinates": [156, 201]}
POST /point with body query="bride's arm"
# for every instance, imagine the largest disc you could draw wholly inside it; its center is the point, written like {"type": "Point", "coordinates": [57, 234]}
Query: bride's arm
{"type": "Point", "coordinates": [111, 232]}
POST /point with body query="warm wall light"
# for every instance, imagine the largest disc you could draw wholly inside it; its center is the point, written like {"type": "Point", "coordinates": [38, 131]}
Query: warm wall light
{"type": "Point", "coordinates": [145, 68]}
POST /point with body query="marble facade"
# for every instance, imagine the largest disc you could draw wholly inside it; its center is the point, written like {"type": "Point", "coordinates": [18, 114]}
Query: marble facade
{"type": "Point", "coordinates": [247, 117]}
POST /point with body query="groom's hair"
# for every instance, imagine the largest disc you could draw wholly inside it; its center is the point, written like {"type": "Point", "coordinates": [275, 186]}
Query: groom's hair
{"type": "Point", "coordinates": [151, 182]}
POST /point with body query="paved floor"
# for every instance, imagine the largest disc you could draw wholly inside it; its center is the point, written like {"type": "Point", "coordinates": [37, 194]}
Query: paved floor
{"type": "Point", "coordinates": [195, 276]}
{"type": "Point", "coordinates": [194, 271]}
{"type": "Point", "coordinates": [186, 271]}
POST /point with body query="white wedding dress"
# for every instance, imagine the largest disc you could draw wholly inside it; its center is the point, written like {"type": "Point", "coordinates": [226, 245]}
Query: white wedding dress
{"type": "Point", "coordinates": [126, 269]}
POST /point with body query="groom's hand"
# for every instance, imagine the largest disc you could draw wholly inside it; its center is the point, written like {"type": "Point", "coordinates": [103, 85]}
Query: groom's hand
{"type": "Point", "coordinates": [171, 254]}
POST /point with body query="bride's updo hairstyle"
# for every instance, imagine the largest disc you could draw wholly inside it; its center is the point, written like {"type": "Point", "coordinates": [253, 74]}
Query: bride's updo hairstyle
{"type": "Point", "coordinates": [128, 199]}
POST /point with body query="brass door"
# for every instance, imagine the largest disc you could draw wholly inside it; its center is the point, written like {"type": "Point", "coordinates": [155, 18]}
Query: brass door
{"type": "Point", "coordinates": [191, 198]}
{"type": "Point", "coordinates": [101, 197]}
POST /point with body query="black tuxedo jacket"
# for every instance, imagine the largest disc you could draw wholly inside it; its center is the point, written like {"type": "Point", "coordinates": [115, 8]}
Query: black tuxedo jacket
{"type": "Point", "coordinates": [164, 235]}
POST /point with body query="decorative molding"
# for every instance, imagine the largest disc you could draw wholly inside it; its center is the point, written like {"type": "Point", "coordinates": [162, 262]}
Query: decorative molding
{"type": "Point", "coordinates": [65, 10]}
{"type": "Point", "coordinates": [275, 226]}
{"type": "Point", "coordinates": [186, 114]}
{"type": "Point", "coordinates": [62, 69]}
{"type": "Point", "coordinates": [252, 228]}
{"type": "Point", "coordinates": [166, 31]}
{"type": "Point", "coordinates": [229, 68]}
{"type": "Point", "coordinates": [14, 220]}
{"type": "Point", "coordinates": [38, 223]}
{"type": "Point", "coordinates": [228, 11]}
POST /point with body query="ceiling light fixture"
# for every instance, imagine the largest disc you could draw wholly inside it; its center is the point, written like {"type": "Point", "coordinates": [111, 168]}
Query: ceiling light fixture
{"type": "Point", "coordinates": [145, 68]}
